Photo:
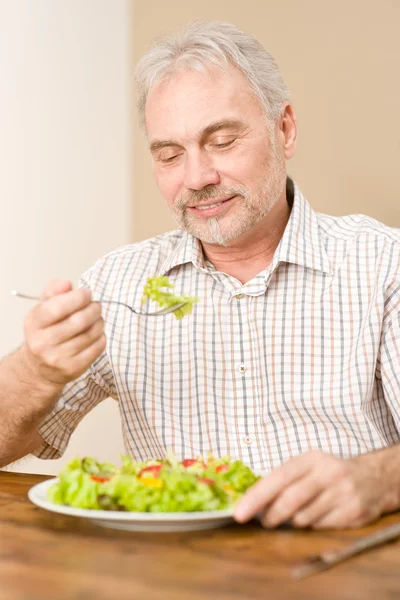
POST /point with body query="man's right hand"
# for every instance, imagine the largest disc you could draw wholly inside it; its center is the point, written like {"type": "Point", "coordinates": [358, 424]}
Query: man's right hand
{"type": "Point", "coordinates": [64, 334]}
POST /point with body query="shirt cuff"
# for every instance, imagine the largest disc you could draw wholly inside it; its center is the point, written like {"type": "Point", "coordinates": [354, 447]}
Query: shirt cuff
{"type": "Point", "coordinates": [55, 440]}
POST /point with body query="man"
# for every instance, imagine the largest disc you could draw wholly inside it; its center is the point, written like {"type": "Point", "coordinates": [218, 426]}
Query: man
{"type": "Point", "coordinates": [289, 360]}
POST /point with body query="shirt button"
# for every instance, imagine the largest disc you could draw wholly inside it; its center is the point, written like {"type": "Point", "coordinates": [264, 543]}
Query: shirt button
{"type": "Point", "coordinates": [242, 369]}
{"type": "Point", "coordinates": [239, 296]}
{"type": "Point", "coordinates": [248, 440]}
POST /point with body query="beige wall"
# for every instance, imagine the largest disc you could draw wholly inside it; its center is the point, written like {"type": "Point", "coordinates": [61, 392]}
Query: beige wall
{"type": "Point", "coordinates": [65, 163]}
{"type": "Point", "coordinates": [341, 61]}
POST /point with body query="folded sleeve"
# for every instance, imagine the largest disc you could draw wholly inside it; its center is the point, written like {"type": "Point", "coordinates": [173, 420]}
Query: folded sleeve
{"type": "Point", "coordinates": [388, 363]}
{"type": "Point", "coordinates": [389, 366]}
{"type": "Point", "coordinates": [76, 400]}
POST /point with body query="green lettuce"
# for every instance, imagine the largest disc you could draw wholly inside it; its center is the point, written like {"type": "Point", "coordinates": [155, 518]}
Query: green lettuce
{"type": "Point", "coordinates": [159, 485]}
{"type": "Point", "coordinates": [164, 298]}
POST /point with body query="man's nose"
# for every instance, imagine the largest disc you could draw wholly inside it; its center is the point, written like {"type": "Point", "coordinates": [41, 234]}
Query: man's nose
{"type": "Point", "coordinates": [200, 172]}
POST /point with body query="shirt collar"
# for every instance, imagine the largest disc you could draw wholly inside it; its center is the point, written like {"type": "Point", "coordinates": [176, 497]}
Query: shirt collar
{"type": "Point", "coordinates": [301, 242]}
{"type": "Point", "coordinates": [188, 250]}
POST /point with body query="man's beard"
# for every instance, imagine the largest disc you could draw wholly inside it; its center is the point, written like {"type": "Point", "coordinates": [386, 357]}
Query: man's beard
{"type": "Point", "coordinates": [252, 209]}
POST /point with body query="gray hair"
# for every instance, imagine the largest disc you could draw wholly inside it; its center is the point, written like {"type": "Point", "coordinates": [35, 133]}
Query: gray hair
{"type": "Point", "coordinates": [212, 44]}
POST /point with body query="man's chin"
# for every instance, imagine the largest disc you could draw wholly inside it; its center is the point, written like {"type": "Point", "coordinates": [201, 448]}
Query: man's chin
{"type": "Point", "coordinates": [211, 233]}
{"type": "Point", "coordinates": [211, 240]}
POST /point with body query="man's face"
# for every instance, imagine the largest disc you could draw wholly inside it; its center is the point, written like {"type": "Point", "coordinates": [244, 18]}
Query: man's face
{"type": "Point", "coordinates": [216, 160]}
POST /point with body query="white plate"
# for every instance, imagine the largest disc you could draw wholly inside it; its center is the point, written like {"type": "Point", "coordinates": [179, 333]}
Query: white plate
{"type": "Point", "coordinates": [134, 521]}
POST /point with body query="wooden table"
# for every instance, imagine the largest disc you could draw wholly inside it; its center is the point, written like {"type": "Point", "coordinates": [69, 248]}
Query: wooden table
{"type": "Point", "coordinates": [45, 556]}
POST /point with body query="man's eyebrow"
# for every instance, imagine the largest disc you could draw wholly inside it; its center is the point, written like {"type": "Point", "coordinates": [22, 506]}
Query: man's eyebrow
{"type": "Point", "coordinates": [158, 144]}
{"type": "Point", "coordinates": [209, 130]}
{"type": "Point", "coordinates": [224, 124]}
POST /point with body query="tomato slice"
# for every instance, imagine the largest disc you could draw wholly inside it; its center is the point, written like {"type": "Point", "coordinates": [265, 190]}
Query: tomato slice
{"type": "Point", "coordinates": [206, 480]}
{"type": "Point", "coordinates": [188, 462]}
{"type": "Point", "coordinates": [221, 468]}
{"type": "Point", "coordinates": [99, 478]}
{"type": "Point", "coordinates": [153, 470]}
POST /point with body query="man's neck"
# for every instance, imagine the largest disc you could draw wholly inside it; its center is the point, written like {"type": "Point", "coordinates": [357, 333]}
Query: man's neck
{"type": "Point", "coordinates": [253, 251]}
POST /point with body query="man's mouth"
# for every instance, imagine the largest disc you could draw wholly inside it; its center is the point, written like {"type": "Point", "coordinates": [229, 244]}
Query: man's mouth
{"type": "Point", "coordinates": [211, 208]}
{"type": "Point", "coordinates": [204, 207]}
{"type": "Point", "coordinates": [211, 203]}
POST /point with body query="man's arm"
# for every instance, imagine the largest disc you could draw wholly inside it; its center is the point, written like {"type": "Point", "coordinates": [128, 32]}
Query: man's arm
{"type": "Point", "coordinates": [64, 334]}
{"type": "Point", "coordinates": [24, 403]}
{"type": "Point", "coordinates": [321, 491]}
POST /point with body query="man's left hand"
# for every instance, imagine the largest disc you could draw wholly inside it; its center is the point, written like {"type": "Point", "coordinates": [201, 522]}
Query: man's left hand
{"type": "Point", "coordinates": [322, 491]}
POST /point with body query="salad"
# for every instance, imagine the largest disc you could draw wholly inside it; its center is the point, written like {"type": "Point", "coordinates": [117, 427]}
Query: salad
{"type": "Point", "coordinates": [164, 485]}
{"type": "Point", "coordinates": [165, 298]}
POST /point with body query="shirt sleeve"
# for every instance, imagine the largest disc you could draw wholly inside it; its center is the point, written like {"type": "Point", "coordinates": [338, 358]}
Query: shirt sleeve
{"type": "Point", "coordinates": [389, 366]}
{"type": "Point", "coordinates": [76, 400]}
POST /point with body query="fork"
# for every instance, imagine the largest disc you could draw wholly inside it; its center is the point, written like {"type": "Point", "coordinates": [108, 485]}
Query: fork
{"type": "Point", "coordinates": [157, 313]}
{"type": "Point", "coordinates": [325, 560]}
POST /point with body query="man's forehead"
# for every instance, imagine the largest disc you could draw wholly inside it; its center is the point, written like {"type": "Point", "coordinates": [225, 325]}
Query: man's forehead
{"type": "Point", "coordinates": [193, 103]}
{"type": "Point", "coordinates": [181, 90]}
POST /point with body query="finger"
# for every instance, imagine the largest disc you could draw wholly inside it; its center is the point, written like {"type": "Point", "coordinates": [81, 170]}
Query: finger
{"type": "Point", "coordinates": [333, 519]}
{"type": "Point", "coordinates": [58, 354]}
{"type": "Point", "coordinates": [266, 490]}
{"type": "Point", "coordinates": [72, 326]}
{"type": "Point", "coordinates": [323, 504]}
{"type": "Point", "coordinates": [77, 365]}
{"type": "Point", "coordinates": [58, 308]}
{"type": "Point", "coordinates": [338, 518]}
{"type": "Point", "coordinates": [82, 361]}
{"type": "Point", "coordinates": [349, 514]}
{"type": "Point", "coordinates": [297, 495]}
{"type": "Point", "coordinates": [55, 287]}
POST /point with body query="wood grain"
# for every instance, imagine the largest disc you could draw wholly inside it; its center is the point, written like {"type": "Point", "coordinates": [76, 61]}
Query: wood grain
{"type": "Point", "coordinates": [45, 556]}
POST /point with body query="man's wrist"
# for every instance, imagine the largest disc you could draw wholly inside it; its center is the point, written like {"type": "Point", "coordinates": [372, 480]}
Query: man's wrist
{"type": "Point", "coordinates": [384, 465]}
{"type": "Point", "coordinates": [32, 378]}
{"type": "Point", "coordinates": [391, 477]}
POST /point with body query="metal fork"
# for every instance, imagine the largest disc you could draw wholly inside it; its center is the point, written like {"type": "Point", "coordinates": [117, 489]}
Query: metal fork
{"type": "Point", "coordinates": [325, 560]}
{"type": "Point", "coordinates": [157, 313]}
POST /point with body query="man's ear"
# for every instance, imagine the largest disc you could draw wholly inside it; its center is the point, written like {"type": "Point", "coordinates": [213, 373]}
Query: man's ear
{"type": "Point", "coordinates": [287, 131]}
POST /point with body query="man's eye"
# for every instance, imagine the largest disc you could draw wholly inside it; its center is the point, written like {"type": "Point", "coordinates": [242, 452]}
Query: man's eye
{"type": "Point", "coordinates": [169, 159]}
{"type": "Point", "coordinates": [226, 144]}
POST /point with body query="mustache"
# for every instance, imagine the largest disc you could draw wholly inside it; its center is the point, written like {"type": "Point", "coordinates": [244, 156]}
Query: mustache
{"type": "Point", "coordinates": [210, 193]}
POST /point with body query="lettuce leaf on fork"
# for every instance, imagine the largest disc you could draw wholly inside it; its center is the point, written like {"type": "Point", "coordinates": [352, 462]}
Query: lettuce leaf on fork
{"type": "Point", "coordinates": [165, 298]}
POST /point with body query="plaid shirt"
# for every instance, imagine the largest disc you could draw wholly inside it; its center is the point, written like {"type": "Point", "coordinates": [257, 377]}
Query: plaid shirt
{"type": "Point", "coordinates": [304, 355]}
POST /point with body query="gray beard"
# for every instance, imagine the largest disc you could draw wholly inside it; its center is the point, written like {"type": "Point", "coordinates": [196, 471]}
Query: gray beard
{"type": "Point", "coordinates": [215, 232]}
{"type": "Point", "coordinates": [251, 212]}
